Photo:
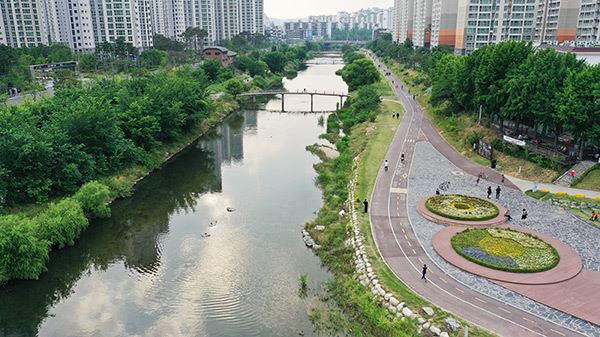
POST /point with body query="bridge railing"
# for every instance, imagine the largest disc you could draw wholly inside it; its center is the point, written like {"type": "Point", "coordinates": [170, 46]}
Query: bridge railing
{"type": "Point", "coordinates": [295, 92]}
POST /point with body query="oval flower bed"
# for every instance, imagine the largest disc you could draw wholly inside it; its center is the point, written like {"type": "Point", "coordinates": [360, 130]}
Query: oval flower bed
{"type": "Point", "coordinates": [462, 207]}
{"type": "Point", "coordinates": [505, 249]}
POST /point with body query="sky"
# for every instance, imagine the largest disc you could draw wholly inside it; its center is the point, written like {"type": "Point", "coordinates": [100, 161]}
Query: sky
{"type": "Point", "coordinates": [286, 9]}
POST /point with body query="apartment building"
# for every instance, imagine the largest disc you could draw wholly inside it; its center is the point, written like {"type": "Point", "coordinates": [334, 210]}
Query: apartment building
{"type": "Point", "coordinates": [24, 23]}
{"type": "Point", "coordinates": [422, 23]}
{"type": "Point", "coordinates": [466, 25]}
{"type": "Point", "coordinates": [557, 20]}
{"type": "Point", "coordinates": [404, 19]}
{"type": "Point", "coordinates": [70, 22]}
{"type": "Point", "coordinates": [588, 23]}
{"type": "Point", "coordinates": [130, 20]}
{"type": "Point", "coordinates": [443, 23]}
{"type": "Point", "coordinates": [84, 24]}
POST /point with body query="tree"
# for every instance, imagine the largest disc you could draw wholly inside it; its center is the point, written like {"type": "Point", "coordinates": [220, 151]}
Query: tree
{"type": "Point", "coordinates": [194, 38]}
{"type": "Point", "coordinates": [164, 43]}
{"type": "Point", "coordinates": [359, 73]}
{"type": "Point", "coordinates": [153, 58]}
{"type": "Point", "coordinates": [275, 60]}
{"type": "Point", "coordinates": [212, 69]}
{"type": "Point", "coordinates": [579, 105]}
{"type": "Point", "coordinates": [234, 86]}
{"type": "Point", "coordinates": [533, 88]}
{"type": "Point", "coordinates": [88, 62]}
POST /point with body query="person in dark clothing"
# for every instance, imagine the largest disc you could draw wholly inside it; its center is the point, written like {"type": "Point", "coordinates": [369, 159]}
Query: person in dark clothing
{"type": "Point", "coordinates": [489, 192]}
{"type": "Point", "coordinates": [524, 215]}
{"type": "Point", "coordinates": [366, 204]}
{"type": "Point", "coordinates": [507, 215]}
{"type": "Point", "coordinates": [424, 273]}
{"type": "Point", "coordinates": [437, 191]}
{"type": "Point", "coordinates": [502, 181]}
{"type": "Point", "coordinates": [498, 190]}
{"type": "Point", "coordinates": [402, 157]}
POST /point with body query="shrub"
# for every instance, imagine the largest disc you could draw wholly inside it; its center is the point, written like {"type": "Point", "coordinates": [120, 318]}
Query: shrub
{"type": "Point", "coordinates": [22, 254]}
{"type": "Point", "coordinates": [93, 198]}
{"type": "Point", "coordinates": [61, 223]}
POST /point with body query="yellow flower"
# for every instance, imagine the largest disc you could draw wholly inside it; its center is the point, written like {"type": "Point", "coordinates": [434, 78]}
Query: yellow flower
{"type": "Point", "coordinates": [561, 193]}
{"type": "Point", "coordinates": [579, 195]}
{"type": "Point", "coordinates": [544, 190]}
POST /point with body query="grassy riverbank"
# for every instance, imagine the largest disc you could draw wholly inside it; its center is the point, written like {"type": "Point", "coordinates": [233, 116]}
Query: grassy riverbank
{"type": "Point", "coordinates": [355, 311]}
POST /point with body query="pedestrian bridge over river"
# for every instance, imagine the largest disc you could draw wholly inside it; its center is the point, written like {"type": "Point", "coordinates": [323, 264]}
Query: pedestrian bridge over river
{"type": "Point", "coordinates": [312, 94]}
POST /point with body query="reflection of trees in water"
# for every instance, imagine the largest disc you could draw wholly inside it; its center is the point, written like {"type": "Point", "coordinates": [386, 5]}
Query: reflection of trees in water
{"type": "Point", "coordinates": [131, 234]}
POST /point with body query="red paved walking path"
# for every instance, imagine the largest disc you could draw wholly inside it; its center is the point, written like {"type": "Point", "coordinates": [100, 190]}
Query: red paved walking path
{"type": "Point", "coordinates": [404, 254]}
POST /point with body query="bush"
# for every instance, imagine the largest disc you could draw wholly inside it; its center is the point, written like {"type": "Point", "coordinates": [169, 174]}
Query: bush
{"type": "Point", "coordinates": [93, 198]}
{"type": "Point", "coordinates": [22, 254]}
{"type": "Point", "coordinates": [61, 223]}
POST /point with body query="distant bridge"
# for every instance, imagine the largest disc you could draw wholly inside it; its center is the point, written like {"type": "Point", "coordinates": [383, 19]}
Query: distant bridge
{"type": "Point", "coordinates": [312, 94]}
{"type": "Point", "coordinates": [356, 42]}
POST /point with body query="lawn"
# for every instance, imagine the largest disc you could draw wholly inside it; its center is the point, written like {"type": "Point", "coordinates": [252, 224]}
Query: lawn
{"type": "Point", "coordinates": [591, 179]}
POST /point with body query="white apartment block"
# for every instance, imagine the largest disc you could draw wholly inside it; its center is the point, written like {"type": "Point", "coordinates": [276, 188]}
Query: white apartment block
{"type": "Point", "coordinates": [422, 23]}
{"type": "Point", "coordinates": [127, 19]}
{"type": "Point", "coordinates": [2, 31]}
{"type": "Point", "coordinates": [404, 19]}
{"type": "Point", "coordinates": [84, 24]}
{"type": "Point", "coordinates": [24, 23]}
{"type": "Point", "coordinates": [72, 24]}
{"type": "Point", "coordinates": [588, 24]}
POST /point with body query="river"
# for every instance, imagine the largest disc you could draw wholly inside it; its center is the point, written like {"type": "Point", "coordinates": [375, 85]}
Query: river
{"type": "Point", "coordinates": [158, 267]}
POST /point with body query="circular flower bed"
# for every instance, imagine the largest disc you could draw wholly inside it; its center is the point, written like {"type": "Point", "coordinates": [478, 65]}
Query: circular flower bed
{"type": "Point", "coordinates": [462, 207]}
{"type": "Point", "coordinates": [505, 249]}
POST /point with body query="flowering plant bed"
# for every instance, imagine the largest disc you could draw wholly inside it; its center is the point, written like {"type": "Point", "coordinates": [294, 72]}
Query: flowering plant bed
{"type": "Point", "coordinates": [505, 249]}
{"type": "Point", "coordinates": [462, 207]}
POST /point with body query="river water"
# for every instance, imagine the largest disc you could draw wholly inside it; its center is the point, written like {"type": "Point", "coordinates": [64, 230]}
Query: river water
{"type": "Point", "coordinates": [158, 267]}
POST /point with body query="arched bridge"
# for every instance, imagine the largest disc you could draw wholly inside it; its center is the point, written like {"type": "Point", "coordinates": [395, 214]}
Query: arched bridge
{"type": "Point", "coordinates": [312, 94]}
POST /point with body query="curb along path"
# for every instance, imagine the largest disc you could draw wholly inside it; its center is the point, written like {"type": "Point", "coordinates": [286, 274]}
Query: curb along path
{"type": "Point", "coordinates": [403, 253]}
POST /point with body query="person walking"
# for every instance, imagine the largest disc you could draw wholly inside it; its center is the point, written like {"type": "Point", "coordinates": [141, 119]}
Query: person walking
{"type": "Point", "coordinates": [424, 273]}
{"type": "Point", "coordinates": [478, 178]}
{"type": "Point", "coordinates": [498, 190]}
{"type": "Point", "coordinates": [489, 192]}
{"type": "Point", "coordinates": [502, 180]}
{"type": "Point", "coordinates": [385, 165]}
{"type": "Point", "coordinates": [437, 192]}
{"type": "Point", "coordinates": [572, 174]}
{"type": "Point", "coordinates": [507, 215]}
{"type": "Point", "coordinates": [524, 215]}
{"type": "Point", "coordinates": [366, 204]}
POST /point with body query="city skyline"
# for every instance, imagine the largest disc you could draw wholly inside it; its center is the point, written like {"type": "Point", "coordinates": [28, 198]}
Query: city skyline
{"type": "Point", "coordinates": [287, 9]}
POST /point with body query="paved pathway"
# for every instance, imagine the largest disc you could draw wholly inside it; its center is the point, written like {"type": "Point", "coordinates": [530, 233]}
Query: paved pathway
{"type": "Point", "coordinates": [404, 254]}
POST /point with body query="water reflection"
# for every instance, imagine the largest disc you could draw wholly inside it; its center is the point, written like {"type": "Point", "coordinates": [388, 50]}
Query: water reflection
{"type": "Point", "coordinates": [151, 270]}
